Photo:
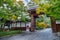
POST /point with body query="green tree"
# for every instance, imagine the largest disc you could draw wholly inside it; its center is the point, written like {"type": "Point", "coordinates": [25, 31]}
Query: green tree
{"type": "Point", "coordinates": [52, 9]}
{"type": "Point", "coordinates": [10, 9]}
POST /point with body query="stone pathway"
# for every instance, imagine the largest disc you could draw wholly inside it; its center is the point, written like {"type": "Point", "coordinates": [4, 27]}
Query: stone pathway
{"type": "Point", "coordinates": [45, 34]}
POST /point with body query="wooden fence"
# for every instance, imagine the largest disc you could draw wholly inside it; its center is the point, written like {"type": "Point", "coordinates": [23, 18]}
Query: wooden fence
{"type": "Point", "coordinates": [17, 25]}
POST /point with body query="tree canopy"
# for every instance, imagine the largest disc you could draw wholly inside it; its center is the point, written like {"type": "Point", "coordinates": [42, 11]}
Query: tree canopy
{"type": "Point", "coordinates": [49, 7]}
{"type": "Point", "coordinates": [11, 9]}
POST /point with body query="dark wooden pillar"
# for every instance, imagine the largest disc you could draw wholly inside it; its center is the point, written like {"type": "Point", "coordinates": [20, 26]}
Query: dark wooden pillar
{"type": "Point", "coordinates": [53, 25]}
{"type": "Point", "coordinates": [32, 28]}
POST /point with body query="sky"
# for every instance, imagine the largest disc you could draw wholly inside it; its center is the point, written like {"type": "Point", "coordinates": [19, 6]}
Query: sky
{"type": "Point", "coordinates": [25, 1]}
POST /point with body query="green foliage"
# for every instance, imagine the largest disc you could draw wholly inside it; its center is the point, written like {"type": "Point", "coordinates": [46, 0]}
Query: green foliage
{"type": "Point", "coordinates": [40, 19]}
{"type": "Point", "coordinates": [39, 28]}
{"type": "Point", "coordinates": [8, 8]}
{"type": "Point", "coordinates": [53, 10]}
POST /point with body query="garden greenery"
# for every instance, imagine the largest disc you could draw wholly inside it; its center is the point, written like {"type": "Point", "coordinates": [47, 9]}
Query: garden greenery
{"type": "Point", "coordinates": [49, 7]}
